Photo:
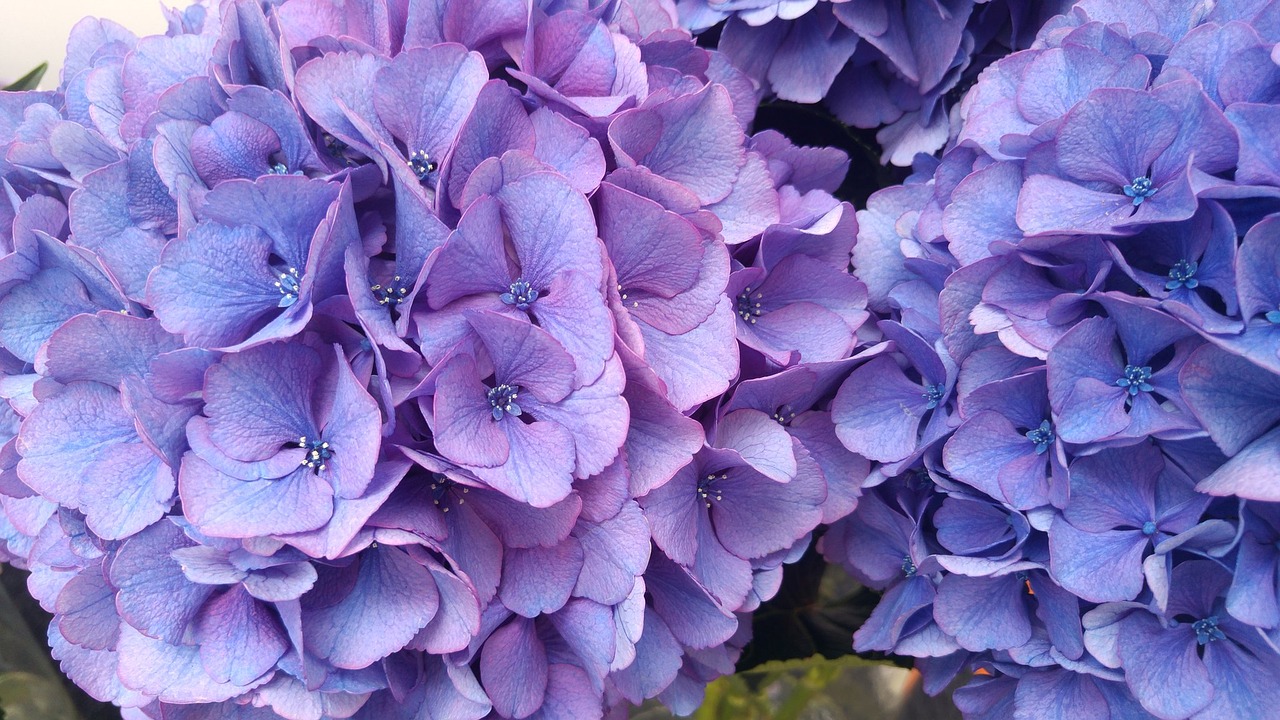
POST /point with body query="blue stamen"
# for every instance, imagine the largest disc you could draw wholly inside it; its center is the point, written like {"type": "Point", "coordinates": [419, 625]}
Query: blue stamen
{"type": "Point", "coordinates": [422, 165]}
{"type": "Point", "coordinates": [1135, 379]}
{"type": "Point", "coordinates": [391, 294]}
{"type": "Point", "coordinates": [503, 400]}
{"type": "Point", "coordinates": [289, 286]}
{"type": "Point", "coordinates": [1273, 317]}
{"type": "Point", "coordinates": [908, 566]}
{"type": "Point", "coordinates": [1042, 437]}
{"type": "Point", "coordinates": [707, 490]}
{"type": "Point", "coordinates": [318, 453]}
{"type": "Point", "coordinates": [279, 169]}
{"type": "Point", "coordinates": [784, 415]}
{"type": "Point", "coordinates": [442, 489]}
{"type": "Point", "coordinates": [1148, 528]}
{"type": "Point", "coordinates": [1207, 630]}
{"type": "Point", "coordinates": [749, 308]}
{"type": "Point", "coordinates": [1183, 274]}
{"type": "Point", "coordinates": [1140, 189]}
{"type": "Point", "coordinates": [521, 294]}
{"type": "Point", "coordinates": [933, 395]}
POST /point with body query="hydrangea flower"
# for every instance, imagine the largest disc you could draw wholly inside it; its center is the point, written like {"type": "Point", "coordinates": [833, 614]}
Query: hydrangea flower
{"type": "Point", "coordinates": [340, 379]}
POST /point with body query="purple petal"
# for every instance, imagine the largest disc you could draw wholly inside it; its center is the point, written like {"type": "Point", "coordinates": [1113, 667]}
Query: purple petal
{"type": "Point", "coordinates": [390, 598]}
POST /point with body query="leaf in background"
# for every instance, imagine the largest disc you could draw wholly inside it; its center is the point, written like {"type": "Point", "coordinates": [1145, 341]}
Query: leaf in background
{"type": "Point", "coordinates": [29, 81]}
{"type": "Point", "coordinates": [814, 613]}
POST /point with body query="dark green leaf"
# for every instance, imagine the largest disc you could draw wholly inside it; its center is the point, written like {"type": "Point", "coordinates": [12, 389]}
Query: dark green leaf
{"type": "Point", "coordinates": [815, 612]}
{"type": "Point", "coordinates": [29, 81]}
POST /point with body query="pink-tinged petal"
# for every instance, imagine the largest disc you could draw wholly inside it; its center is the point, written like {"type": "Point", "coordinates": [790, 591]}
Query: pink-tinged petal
{"type": "Point", "coordinates": [497, 123]}
{"type": "Point", "coordinates": [616, 553]}
{"type": "Point", "coordinates": [755, 516]}
{"type": "Point", "coordinates": [155, 597]}
{"type": "Point", "coordinates": [570, 695]}
{"type": "Point", "coordinates": [751, 206]}
{"type": "Point", "coordinates": [259, 400]}
{"type": "Point", "coordinates": [672, 511]}
{"type": "Point", "coordinates": [171, 673]}
{"type": "Point", "coordinates": [697, 365]}
{"type": "Point", "coordinates": [525, 355]}
{"type": "Point", "coordinates": [425, 94]}
{"type": "Point", "coordinates": [694, 140]}
{"type": "Point", "coordinates": [373, 611]}
{"type": "Point", "coordinates": [684, 311]}
{"type": "Point", "coordinates": [465, 430]}
{"type": "Point", "coordinates": [86, 611]}
{"type": "Point", "coordinates": [355, 426]}
{"type": "Point", "coordinates": [223, 506]}
{"type": "Point", "coordinates": [552, 227]}
{"type": "Point", "coordinates": [93, 671]}
{"type": "Point", "coordinates": [336, 84]}
{"type": "Point", "coordinates": [351, 515]}
{"type": "Point", "coordinates": [1250, 473]}
{"type": "Point", "coordinates": [539, 580]}
{"type": "Point", "coordinates": [473, 259]}
{"type": "Point", "coordinates": [215, 286]}
{"type": "Point", "coordinates": [240, 638]}
{"type": "Point", "coordinates": [80, 448]}
{"type": "Point", "coordinates": [569, 149]}
{"type": "Point", "coordinates": [574, 313]}
{"type": "Point", "coordinates": [878, 411]}
{"type": "Point", "coordinates": [660, 440]}
{"type": "Point", "coordinates": [596, 416]}
{"type": "Point", "coordinates": [642, 237]}
{"type": "Point", "coordinates": [105, 347]}
{"type": "Point", "coordinates": [458, 619]}
{"type": "Point", "coordinates": [760, 440]}
{"type": "Point", "coordinates": [539, 466]}
{"type": "Point", "coordinates": [513, 669]}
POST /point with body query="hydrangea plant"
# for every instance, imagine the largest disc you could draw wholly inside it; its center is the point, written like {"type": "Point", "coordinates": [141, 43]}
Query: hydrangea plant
{"type": "Point", "coordinates": [399, 359]}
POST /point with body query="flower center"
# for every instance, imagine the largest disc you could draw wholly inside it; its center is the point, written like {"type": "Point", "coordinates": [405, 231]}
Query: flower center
{"type": "Point", "coordinates": [392, 293]}
{"type": "Point", "coordinates": [288, 284]}
{"type": "Point", "coordinates": [279, 168]}
{"type": "Point", "coordinates": [443, 490]}
{"type": "Point", "coordinates": [707, 490]}
{"type": "Point", "coordinates": [422, 165]}
{"type": "Point", "coordinates": [1273, 316]}
{"type": "Point", "coordinates": [784, 415]}
{"type": "Point", "coordinates": [503, 400]}
{"type": "Point", "coordinates": [932, 395]}
{"type": "Point", "coordinates": [1148, 528]}
{"type": "Point", "coordinates": [521, 294]}
{"type": "Point", "coordinates": [1042, 437]}
{"type": "Point", "coordinates": [1207, 630]}
{"type": "Point", "coordinates": [318, 453]}
{"type": "Point", "coordinates": [623, 295]}
{"type": "Point", "coordinates": [908, 566]}
{"type": "Point", "coordinates": [1183, 274]}
{"type": "Point", "coordinates": [1140, 189]}
{"type": "Point", "coordinates": [749, 306]}
{"type": "Point", "coordinates": [1135, 379]}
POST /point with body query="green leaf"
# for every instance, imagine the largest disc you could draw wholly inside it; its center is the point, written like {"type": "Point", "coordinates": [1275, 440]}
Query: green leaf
{"type": "Point", "coordinates": [30, 81]}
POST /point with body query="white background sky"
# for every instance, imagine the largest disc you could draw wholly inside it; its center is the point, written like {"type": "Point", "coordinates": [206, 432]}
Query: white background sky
{"type": "Point", "coordinates": [35, 31]}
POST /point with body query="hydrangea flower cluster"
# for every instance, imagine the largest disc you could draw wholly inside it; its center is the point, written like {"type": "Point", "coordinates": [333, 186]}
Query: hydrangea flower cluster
{"type": "Point", "coordinates": [369, 359]}
{"type": "Point", "coordinates": [1076, 429]}
{"type": "Point", "coordinates": [896, 65]}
